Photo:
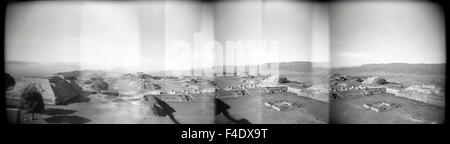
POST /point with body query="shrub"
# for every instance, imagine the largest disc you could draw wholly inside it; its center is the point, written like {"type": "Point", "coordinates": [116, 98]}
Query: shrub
{"type": "Point", "coordinates": [283, 80]}
{"type": "Point", "coordinates": [9, 81]}
{"type": "Point", "coordinates": [32, 101]}
{"type": "Point", "coordinates": [88, 82]}
{"type": "Point", "coordinates": [381, 81]}
{"type": "Point", "coordinates": [100, 85]}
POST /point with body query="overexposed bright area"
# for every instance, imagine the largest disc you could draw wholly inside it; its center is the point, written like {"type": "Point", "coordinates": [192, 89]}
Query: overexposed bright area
{"type": "Point", "coordinates": [110, 36]}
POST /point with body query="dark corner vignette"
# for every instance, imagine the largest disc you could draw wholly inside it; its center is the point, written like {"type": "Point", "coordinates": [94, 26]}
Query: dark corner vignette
{"type": "Point", "coordinates": [250, 63]}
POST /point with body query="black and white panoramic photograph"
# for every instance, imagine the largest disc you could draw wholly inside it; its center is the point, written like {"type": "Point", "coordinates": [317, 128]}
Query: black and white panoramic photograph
{"type": "Point", "coordinates": [387, 62]}
{"type": "Point", "coordinates": [225, 62]}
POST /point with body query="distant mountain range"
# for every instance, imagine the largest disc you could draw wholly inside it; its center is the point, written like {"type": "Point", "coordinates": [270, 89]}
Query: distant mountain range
{"type": "Point", "coordinates": [302, 66]}
{"type": "Point", "coordinates": [20, 63]}
{"type": "Point", "coordinates": [35, 63]}
{"type": "Point", "coordinates": [20, 68]}
{"type": "Point", "coordinates": [396, 68]}
{"type": "Point", "coordinates": [27, 68]}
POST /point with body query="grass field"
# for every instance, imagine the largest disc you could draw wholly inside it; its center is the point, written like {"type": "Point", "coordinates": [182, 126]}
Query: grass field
{"type": "Point", "coordinates": [252, 108]}
{"type": "Point", "coordinates": [410, 111]}
{"type": "Point", "coordinates": [102, 109]}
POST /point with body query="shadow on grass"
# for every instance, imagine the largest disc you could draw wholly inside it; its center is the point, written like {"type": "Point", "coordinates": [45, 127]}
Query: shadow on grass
{"type": "Point", "coordinates": [115, 94]}
{"type": "Point", "coordinates": [54, 111]}
{"type": "Point", "coordinates": [222, 108]}
{"type": "Point", "coordinates": [73, 119]}
{"type": "Point", "coordinates": [161, 108]}
{"type": "Point", "coordinates": [79, 99]}
{"type": "Point", "coordinates": [119, 100]}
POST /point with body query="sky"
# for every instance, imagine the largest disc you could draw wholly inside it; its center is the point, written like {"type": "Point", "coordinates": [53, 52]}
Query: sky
{"type": "Point", "coordinates": [159, 35]}
{"type": "Point", "coordinates": [386, 32]}
{"type": "Point", "coordinates": [175, 35]}
{"type": "Point", "coordinates": [43, 32]}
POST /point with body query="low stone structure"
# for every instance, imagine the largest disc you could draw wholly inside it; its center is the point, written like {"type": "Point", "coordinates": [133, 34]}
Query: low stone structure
{"type": "Point", "coordinates": [53, 90]}
{"type": "Point", "coordinates": [310, 93]}
{"type": "Point", "coordinates": [174, 97]}
{"type": "Point", "coordinates": [349, 94]}
{"type": "Point", "coordinates": [230, 93]}
{"type": "Point", "coordinates": [374, 90]}
{"type": "Point", "coordinates": [207, 90]}
{"type": "Point", "coordinates": [381, 106]}
{"type": "Point", "coordinates": [423, 97]}
{"type": "Point", "coordinates": [15, 115]}
{"type": "Point", "coordinates": [277, 89]}
{"type": "Point", "coordinates": [429, 94]}
{"type": "Point", "coordinates": [282, 105]}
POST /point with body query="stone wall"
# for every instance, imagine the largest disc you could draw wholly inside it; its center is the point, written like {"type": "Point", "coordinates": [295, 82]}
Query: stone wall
{"type": "Point", "coordinates": [324, 97]}
{"type": "Point", "coordinates": [423, 97]}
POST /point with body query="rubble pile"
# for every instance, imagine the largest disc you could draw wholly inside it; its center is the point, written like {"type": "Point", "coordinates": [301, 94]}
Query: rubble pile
{"type": "Point", "coordinates": [281, 105]}
{"type": "Point", "coordinates": [381, 106]}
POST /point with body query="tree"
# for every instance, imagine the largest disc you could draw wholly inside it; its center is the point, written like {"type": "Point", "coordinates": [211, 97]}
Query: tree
{"type": "Point", "coordinates": [88, 82]}
{"type": "Point", "coordinates": [32, 101]}
{"type": "Point", "coordinates": [9, 81]}
{"type": "Point", "coordinates": [70, 77]}
{"type": "Point", "coordinates": [142, 75]}
{"type": "Point", "coordinates": [283, 80]}
{"type": "Point", "coordinates": [95, 78]}
{"type": "Point", "coordinates": [100, 85]}
{"type": "Point", "coordinates": [359, 80]}
{"type": "Point", "coordinates": [381, 81]}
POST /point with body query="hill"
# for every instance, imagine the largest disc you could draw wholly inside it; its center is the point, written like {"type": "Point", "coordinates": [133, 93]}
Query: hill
{"type": "Point", "coordinates": [20, 68]}
{"type": "Point", "coordinates": [437, 69]}
{"type": "Point", "coordinates": [20, 63]}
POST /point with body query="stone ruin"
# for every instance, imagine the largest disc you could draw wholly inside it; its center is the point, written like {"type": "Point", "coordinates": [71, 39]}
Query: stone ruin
{"type": "Point", "coordinates": [281, 105]}
{"type": "Point", "coordinates": [274, 90]}
{"type": "Point", "coordinates": [230, 93]}
{"type": "Point", "coordinates": [174, 97]}
{"type": "Point", "coordinates": [381, 106]}
{"type": "Point", "coordinates": [54, 90]}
